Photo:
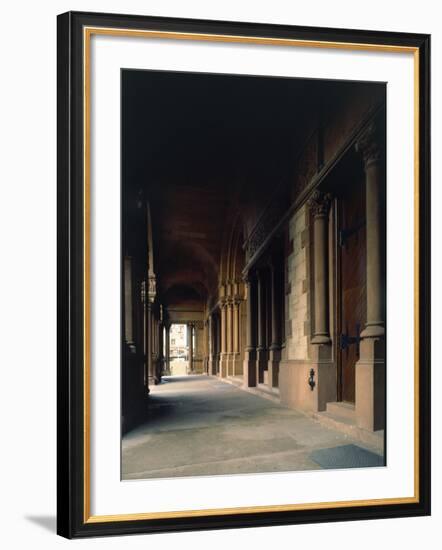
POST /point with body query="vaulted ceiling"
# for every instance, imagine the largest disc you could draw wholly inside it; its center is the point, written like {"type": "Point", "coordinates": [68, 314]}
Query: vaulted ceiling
{"type": "Point", "coordinates": [202, 146]}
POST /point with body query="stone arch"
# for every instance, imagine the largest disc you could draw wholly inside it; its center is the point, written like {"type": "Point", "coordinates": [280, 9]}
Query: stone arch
{"type": "Point", "coordinates": [232, 256]}
{"type": "Point", "coordinates": [231, 297]}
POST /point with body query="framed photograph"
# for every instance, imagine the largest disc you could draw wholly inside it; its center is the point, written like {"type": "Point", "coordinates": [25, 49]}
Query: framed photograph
{"type": "Point", "coordinates": [243, 274]}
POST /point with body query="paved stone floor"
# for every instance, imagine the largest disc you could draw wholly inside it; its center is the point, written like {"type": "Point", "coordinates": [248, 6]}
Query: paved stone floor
{"type": "Point", "coordinates": [199, 425]}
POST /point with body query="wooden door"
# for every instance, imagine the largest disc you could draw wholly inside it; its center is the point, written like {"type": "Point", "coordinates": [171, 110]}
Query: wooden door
{"type": "Point", "coordinates": [351, 237]}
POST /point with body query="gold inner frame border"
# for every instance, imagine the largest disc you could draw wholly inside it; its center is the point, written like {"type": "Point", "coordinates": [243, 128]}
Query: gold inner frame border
{"type": "Point", "coordinates": [88, 32]}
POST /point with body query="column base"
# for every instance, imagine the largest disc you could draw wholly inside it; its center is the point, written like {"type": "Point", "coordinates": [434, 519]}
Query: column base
{"type": "Point", "coordinates": [212, 367]}
{"type": "Point", "coordinates": [261, 365]}
{"type": "Point", "coordinates": [370, 385]}
{"type": "Point", "coordinates": [249, 369]}
{"type": "Point", "coordinates": [159, 369]}
{"type": "Point", "coordinates": [191, 368]}
{"type": "Point", "coordinates": [324, 376]}
{"type": "Point", "coordinates": [295, 390]}
{"type": "Point", "coordinates": [230, 364]}
{"type": "Point", "coordinates": [373, 331]}
{"type": "Point", "coordinates": [273, 367]}
{"type": "Point", "coordinates": [237, 365]}
{"type": "Point", "coordinates": [216, 363]}
{"type": "Point", "coordinates": [198, 366]}
{"type": "Point", "coordinates": [321, 339]}
{"type": "Point", "coordinates": [223, 365]}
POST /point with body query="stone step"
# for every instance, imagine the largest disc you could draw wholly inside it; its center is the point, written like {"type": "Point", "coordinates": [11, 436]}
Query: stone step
{"type": "Point", "coordinates": [265, 389]}
{"type": "Point", "coordinates": [341, 409]}
{"type": "Point", "coordinates": [236, 380]}
{"type": "Point", "coordinates": [347, 424]}
{"type": "Point", "coordinates": [265, 392]}
{"type": "Point", "coordinates": [261, 389]}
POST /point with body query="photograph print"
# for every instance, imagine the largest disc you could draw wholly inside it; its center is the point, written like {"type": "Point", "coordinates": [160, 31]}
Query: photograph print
{"type": "Point", "coordinates": [253, 274]}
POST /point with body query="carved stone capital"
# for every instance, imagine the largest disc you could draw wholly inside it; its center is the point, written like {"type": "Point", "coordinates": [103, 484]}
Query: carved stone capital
{"type": "Point", "coordinates": [152, 288]}
{"type": "Point", "coordinates": [222, 289]}
{"type": "Point", "coordinates": [371, 145]}
{"type": "Point", "coordinates": [249, 277]}
{"type": "Point", "coordinates": [260, 233]}
{"type": "Point", "coordinates": [319, 203]}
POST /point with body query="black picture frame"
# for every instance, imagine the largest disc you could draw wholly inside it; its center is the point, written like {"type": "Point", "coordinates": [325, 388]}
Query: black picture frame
{"type": "Point", "coordinates": [72, 513]}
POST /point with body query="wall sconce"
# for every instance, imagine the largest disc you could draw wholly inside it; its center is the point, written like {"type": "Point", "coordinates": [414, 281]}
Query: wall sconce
{"type": "Point", "coordinates": [311, 379]}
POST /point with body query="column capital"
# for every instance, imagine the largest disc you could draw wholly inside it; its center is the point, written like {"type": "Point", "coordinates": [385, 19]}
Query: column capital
{"type": "Point", "coordinates": [146, 299]}
{"type": "Point", "coordinates": [260, 273]}
{"type": "Point", "coordinates": [143, 292]}
{"type": "Point", "coordinates": [249, 277]}
{"type": "Point", "coordinates": [319, 203]}
{"type": "Point", "coordinates": [222, 289]}
{"type": "Point", "coordinates": [370, 144]}
{"type": "Point", "coordinates": [151, 287]}
{"type": "Point", "coordinates": [274, 264]}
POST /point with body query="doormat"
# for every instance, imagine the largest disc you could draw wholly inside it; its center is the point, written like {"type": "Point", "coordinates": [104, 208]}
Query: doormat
{"type": "Point", "coordinates": [346, 456]}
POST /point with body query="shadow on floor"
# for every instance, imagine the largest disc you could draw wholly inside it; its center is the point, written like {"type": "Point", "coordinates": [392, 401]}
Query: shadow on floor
{"type": "Point", "coordinates": [49, 523]}
{"type": "Point", "coordinates": [158, 405]}
{"type": "Point", "coordinates": [186, 378]}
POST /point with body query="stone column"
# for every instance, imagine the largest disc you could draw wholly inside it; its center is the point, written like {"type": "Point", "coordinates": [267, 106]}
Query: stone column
{"type": "Point", "coordinates": [322, 366]}
{"type": "Point", "coordinates": [223, 355]}
{"type": "Point", "coordinates": [154, 335]}
{"type": "Point", "coordinates": [374, 182]}
{"type": "Point", "coordinates": [190, 344]}
{"type": "Point", "coordinates": [160, 363]}
{"type": "Point", "coordinates": [320, 204]}
{"type": "Point", "coordinates": [250, 353]}
{"type": "Point", "coordinates": [128, 304]}
{"type": "Point", "coordinates": [237, 366]}
{"type": "Point", "coordinates": [211, 330]}
{"type": "Point", "coordinates": [151, 294]}
{"type": "Point", "coordinates": [370, 369]}
{"type": "Point", "coordinates": [155, 347]}
{"type": "Point", "coordinates": [206, 347]}
{"type": "Point", "coordinates": [149, 344]}
{"type": "Point", "coordinates": [229, 339]}
{"type": "Point", "coordinates": [146, 327]}
{"type": "Point", "coordinates": [275, 345]}
{"type": "Point", "coordinates": [262, 357]}
{"type": "Point", "coordinates": [217, 341]}
{"type": "Point", "coordinates": [167, 348]}
{"type": "Point", "coordinates": [198, 351]}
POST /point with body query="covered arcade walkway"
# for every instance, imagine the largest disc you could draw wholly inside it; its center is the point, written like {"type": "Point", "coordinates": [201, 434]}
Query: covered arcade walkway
{"type": "Point", "coordinates": [201, 425]}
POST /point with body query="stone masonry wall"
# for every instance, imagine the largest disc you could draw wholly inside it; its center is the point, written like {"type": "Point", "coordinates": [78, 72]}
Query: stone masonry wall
{"type": "Point", "coordinates": [297, 299]}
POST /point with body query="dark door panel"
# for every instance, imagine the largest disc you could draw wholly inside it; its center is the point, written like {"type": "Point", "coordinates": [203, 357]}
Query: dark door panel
{"type": "Point", "coordinates": [351, 284]}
